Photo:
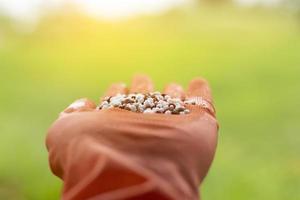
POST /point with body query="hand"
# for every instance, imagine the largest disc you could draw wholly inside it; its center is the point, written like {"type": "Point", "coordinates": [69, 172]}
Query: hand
{"type": "Point", "coordinates": [117, 154]}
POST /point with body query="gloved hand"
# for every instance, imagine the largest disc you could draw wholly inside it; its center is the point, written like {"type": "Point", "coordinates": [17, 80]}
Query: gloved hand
{"type": "Point", "coordinates": [117, 154]}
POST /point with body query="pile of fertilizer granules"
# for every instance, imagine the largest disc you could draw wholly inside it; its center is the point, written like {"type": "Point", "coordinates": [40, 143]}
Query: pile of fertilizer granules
{"type": "Point", "coordinates": [146, 103]}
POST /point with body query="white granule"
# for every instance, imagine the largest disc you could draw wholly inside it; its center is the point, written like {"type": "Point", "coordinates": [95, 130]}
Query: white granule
{"type": "Point", "coordinates": [77, 104]}
{"type": "Point", "coordinates": [146, 103]}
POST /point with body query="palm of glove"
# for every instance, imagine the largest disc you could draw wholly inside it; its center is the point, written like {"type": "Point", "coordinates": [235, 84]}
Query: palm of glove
{"type": "Point", "coordinates": [117, 154]}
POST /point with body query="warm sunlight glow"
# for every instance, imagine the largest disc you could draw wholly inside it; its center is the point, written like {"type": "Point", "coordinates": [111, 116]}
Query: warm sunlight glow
{"type": "Point", "coordinates": [112, 9]}
{"type": "Point", "coordinates": [126, 8]}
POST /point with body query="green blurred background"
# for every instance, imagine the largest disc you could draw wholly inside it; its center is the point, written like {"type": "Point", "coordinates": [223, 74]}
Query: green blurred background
{"type": "Point", "coordinates": [251, 57]}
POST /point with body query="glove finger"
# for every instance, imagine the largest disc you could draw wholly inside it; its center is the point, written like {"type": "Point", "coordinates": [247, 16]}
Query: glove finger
{"type": "Point", "coordinates": [199, 87]}
{"type": "Point", "coordinates": [79, 105]}
{"type": "Point", "coordinates": [199, 93]}
{"type": "Point", "coordinates": [174, 90]}
{"type": "Point", "coordinates": [116, 88]}
{"type": "Point", "coordinates": [141, 84]}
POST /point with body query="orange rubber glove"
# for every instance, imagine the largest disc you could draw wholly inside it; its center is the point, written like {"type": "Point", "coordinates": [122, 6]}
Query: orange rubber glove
{"type": "Point", "coordinates": [117, 154]}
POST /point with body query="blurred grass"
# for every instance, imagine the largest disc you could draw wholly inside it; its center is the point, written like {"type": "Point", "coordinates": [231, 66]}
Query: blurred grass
{"type": "Point", "coordinates": [250, 56]}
